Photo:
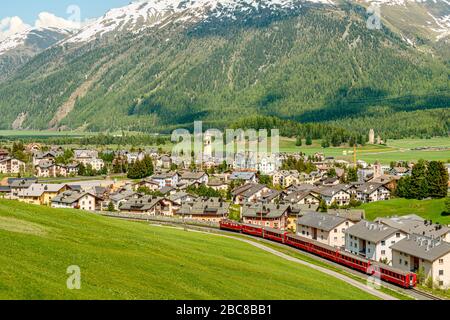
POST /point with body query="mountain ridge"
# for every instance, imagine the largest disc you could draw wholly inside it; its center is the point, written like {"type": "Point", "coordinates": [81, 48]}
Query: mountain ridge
{"type": "Point", "coordinates": [225, 66]}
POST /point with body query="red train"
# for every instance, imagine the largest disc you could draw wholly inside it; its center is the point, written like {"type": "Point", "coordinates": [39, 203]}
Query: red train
{"type": "Point", "coordinates": [386, 273]}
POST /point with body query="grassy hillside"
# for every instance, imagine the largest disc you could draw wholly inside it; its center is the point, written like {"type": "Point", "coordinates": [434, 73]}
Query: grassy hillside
{"type": "Point", "coordinates": [427, 209]}
{"type": "Point", "coordinates": [125, 260]}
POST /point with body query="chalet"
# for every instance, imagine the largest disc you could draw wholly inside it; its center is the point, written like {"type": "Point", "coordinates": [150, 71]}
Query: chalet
{"type": "Point", "coordinates": [182, 197]}
{"type": "Point", "coordinates": [194, 177]}
{"type": "Point", "coordinates": [249, 193]}
{"type": "Point", "coordinates": [148, 183]}
{"type": "Point", "coordinates": [167, 179]}
{"type": "Point", "coordinates": [89, 157]}
{"type": "Point", "coordinates": [218, 185]}
{"type": "Point", "coordinates": [296, 211]}
{"type": "Point", "coordinates": [286, 178]}
{"type": "Point", "coordinates": [302, 197]}
{"type": "Point", "coordinates": [205, 209]}
{"type": "Point", "coordinates": [48, 156]}
{"type": "Point", "coordinates": [335, 194]}
{"type": "Point", "coordinates": [371, 192]}
{"type": "Point", "coordinates": [431, 256]}
{"type": "Point", "coordinates": [247, 177]}
{"type": "Point", "coordinates": [150, 205]}
{"type": "Point", "coordinates": [269, 215]}
{"type": "Point", "coordinates": [323, 227]}
{"type": "Point", "coordinates": [164, 162]}
{"type": "Point", "coordinates": [76, 200]}
{"type": "Point", "coordinates": [19, 184]}
{"type": "Point", "coordinates": [4, 153]}
{"type": "Point", "coordinates": [400, 171]}
{"type": "Point", "coordinates": [11, 165]}
{"type": "Point", "coordinates": [120, 197]}
{"type": "Point", "coordinates": [41, 194]}
{"type": "Point", "coordinates": [372, 240]}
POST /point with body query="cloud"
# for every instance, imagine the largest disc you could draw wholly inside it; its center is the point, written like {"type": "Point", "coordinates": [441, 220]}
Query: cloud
{"type": "Point", "coordinates": [12, 25]}
{"type": "Point", "coordinates": [49, 20]}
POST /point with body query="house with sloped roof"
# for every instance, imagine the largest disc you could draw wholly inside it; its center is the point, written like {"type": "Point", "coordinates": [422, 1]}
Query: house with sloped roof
{"type": "Point", "coordinates": [372, 192]}
{"type": "Point", "coordinates": [151, 205]}
{"type": "Point", "coordinates": [268, 215]}
{"type": "Point", "coordinates": [10, 165]}
{"type": "Point", "coordinates": [249, 193]}
{"type": "Point", "coordinates": [76, 200]}
{"type": "Point", "coordinates": [372, 240]}
{"type": "Point", "coordinates": [205, 209]}
{"type": "Point", "coordinates": [324, 228]}
{"type": "Point", "coordinates": [246, 176]}
{"type": "Point", "coordinates": [431, 256]}
{"type": "Point", "coordinates": [302, 197]}
{"type": "Point", "coordinates": [334, 194]}
{"type": "Point", "coordinates": [41, 193]}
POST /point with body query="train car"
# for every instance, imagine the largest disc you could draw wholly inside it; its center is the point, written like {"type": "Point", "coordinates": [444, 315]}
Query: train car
{"type": "Point", "coordinates": [384, 272]}
{"type": "Point", "coordinates": [252, 229]}
{"type": "Point", "coordinates": [353, 261]}
{"type": "Point", "coordinates": [274, 234]}
{"type": "Point", "coordinates": [230, 225]}
{"type": "Point", "coordinates": [405, 279]}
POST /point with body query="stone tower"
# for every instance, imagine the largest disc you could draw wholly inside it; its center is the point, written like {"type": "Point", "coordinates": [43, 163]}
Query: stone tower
{"type": "Point", "coordinates": [371, 136]}
{"type": "Point", "coordinates": [377, 171]}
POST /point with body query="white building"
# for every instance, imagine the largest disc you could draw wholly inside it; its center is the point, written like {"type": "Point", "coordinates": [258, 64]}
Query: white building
{"type": "Point", "coordinates": [323, 227]}
{"type": "Point", "coordinates": [372, 240]}
{"type": "Point", "coordinates": [431, 256]}
{"type": "Point", "coordinates": [11, 165]}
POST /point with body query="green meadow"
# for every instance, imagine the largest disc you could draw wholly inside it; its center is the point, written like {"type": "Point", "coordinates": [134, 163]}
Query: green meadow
{"type": "Point", "coordinates": [127, 260]}
{"type": "Point", "coordinates": [394, 150]}
{"type": "Point", "coordinates": [427, 209]}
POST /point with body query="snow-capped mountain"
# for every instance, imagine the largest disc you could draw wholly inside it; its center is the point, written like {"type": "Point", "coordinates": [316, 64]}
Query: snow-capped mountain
{"type": "Point", "coordinates": [157, 13]}
{"type": "Point", "coordinates": [36, 39]}
{"type": "Point", "coordinates": [19, 48]}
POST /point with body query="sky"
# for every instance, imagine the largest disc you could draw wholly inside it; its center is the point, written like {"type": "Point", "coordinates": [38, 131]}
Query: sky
{"type": "Point", "coordinates": [19, 15]}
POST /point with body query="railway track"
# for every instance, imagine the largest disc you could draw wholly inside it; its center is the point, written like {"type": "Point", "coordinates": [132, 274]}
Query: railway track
{"type": "Point", "coordinates": [414, 293]}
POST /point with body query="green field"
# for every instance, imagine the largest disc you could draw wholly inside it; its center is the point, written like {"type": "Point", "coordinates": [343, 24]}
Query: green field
{"type": "Point", "coordinates": [427, 209]}
{"type": "Point", "coordinates": [394, 150]}
{"type": "Point", "coordinates": [127, 260]}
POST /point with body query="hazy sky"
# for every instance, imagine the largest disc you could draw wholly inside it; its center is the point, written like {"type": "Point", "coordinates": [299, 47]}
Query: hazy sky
{"type": "Point", "coordinates": [20, 15]}
{"type": "Point", "coordinates": [28, 10]}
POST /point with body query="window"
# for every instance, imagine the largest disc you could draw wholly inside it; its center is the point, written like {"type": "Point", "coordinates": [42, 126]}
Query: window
{"type": "Point", "coordinates": [383, 243]}
{"type": "Point", "coordinates": [400, 261]}
{"type": "Point", "coordinates": [346, 223]}
{"type": "Point", "coordinates": [441, 261]}
{"type": "Point", "coordinates": [335, 230]}
{"type": "Point", "coordinates": [441, 283]}
{"type": "Point", "coordinates": [383, 252]}
{"type": "Point", "coordinates": [441, 272]}
{"type": "Point", "coordinates": [397, 235]}
{"type": "Point", "coordinates": [406, 262]}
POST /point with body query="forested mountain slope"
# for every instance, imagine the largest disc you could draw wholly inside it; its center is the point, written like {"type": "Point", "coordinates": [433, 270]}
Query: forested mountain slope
{"type": "Point", "coordinates": [303, 61]}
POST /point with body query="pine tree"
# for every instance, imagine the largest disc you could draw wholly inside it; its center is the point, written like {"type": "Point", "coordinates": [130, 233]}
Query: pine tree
{"type": "Point", "coordinates": [308, 141]}
{"type": "Point", "coordinates": [437, 178]}
{"type": "Point", "coordinates": [419, 184]}
{"type": "Point", "coordinates": [352, 175]}
{"type": "Point", "coordinates": [322, 206]}
{"type": "Point", "coordinates": [298, 142]}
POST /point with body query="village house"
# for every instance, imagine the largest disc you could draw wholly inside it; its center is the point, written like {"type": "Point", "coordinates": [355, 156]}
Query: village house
{"type": "Point", "coordinates": [430, 256]}
{"type": "Point", "coordinates": [48, 156]}
{"type": "Point", "coordinates": [218, 185]}
{"type": "Point", "coordinates": [11, 166]}
{"type": "Point", "coordinates": [164, 162]}
{"type": "Point", "coordinates": [247, 177]}
{"type": "Point", "coordinates": [190, 178]}
{"type": "Point", "coordinates": [302, 197]}
{"type": "Point", "coordinates": [149, 183]}
{"type": "Point", "coordinates": [150, 205]}
{"type": "Point", "coordinates": [76, 200]}
{"type": "Point", "coordinates": [400, 171]}
{"type": "Point", "coordinates": [415, 225]}
{"type": "Point", "coordinates": [388, 181]}
{"type": "Point", "coordinates": [4, 153]}
{"type": "Point", "coordinates": [371, 192]}
{"type": "Point", "coordinates": [182, 197]}
{"type": "Point", "coordinates": [249, 193]}
{"type": "Point", "coordinates": [324, 228]}
{"type": "Point", "coordinates": [372, 240]}
{"type": "Point", "coordinates": [335, 194]}
{"type": "Point", "coordinates": [268, 215]}
{"type": "Point", "coordinates": [166, 179]}
{"type": "Point", "coordinates": [296, 211]}
{"type": "Point", "coordinates": [285, 178]}
{"type": "Point", "coordinates": [16, 185]}
{"type": "Point", "coordinates": [41, 194]}
{"type": "Point", "coordinates": [205, 209]}
{"type": "Point", "coordinates": [89, 157]}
